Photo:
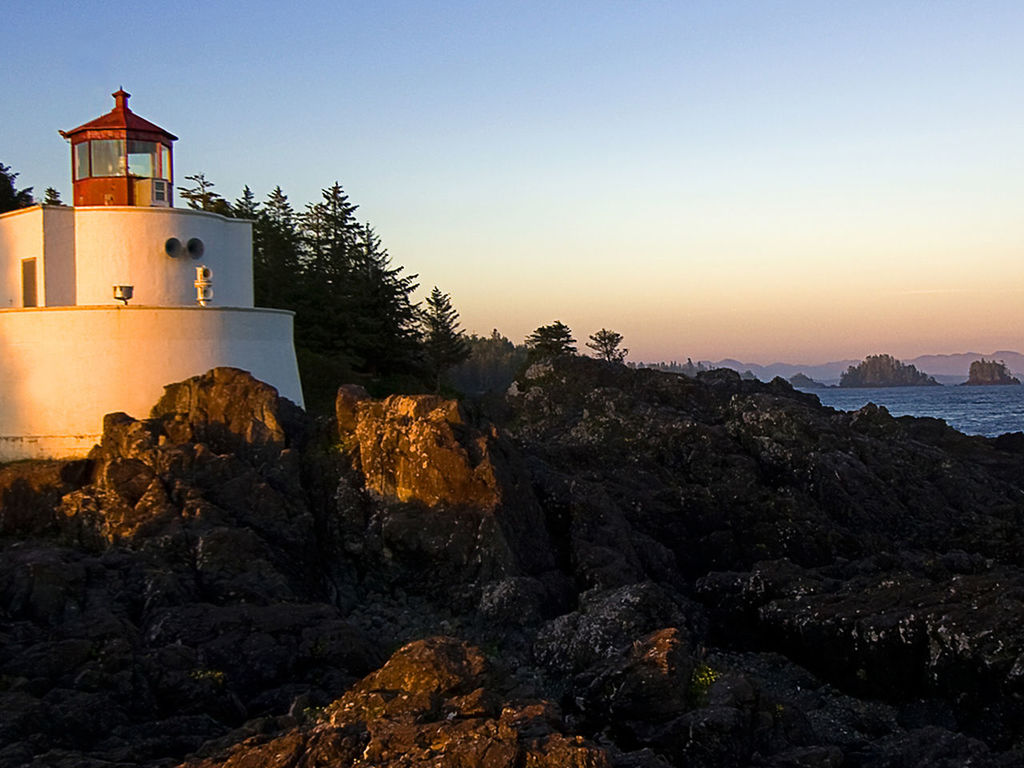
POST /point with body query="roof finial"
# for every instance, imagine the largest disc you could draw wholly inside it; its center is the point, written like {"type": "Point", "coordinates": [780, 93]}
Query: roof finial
{"type": "Point", "coordinates": [120, 99]}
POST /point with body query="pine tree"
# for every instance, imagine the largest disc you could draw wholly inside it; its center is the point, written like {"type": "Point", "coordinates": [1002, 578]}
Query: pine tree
{"type": "Point", "coordinates": [201, 197]}
{"type": "Point", "coordinates": [554, 340]}
{"type": "Point", "coordinates": [444, 344]}
{"type": "Point", "coordinates": [246, 207]}
{"type": "Point", "coordinates": [385, 324]}
{"type": "Point", "coordinates": [12, 198]}
{"type": "Point", "coordinates": [276, 253]}
{"type": "Point", "coordinates": [606, 344]}
{"type": "Point", "coordinates": [52, 197]}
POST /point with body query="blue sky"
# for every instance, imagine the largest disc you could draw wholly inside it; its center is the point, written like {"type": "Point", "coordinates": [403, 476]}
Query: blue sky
{"type": "Point", "coordinates": [762, 180]}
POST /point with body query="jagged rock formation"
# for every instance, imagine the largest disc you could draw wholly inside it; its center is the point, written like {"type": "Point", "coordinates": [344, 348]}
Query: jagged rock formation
{"type": "Point", "coordinates": [986, 372]}
{"type": "Point", "coordinates": [614, 568]}
{"type": "Point", "coordinates": [431, 704]}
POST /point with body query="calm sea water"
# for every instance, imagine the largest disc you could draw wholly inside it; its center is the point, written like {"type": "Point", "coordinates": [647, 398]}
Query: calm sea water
{"type": "Point", "coordinates": [973, 410]}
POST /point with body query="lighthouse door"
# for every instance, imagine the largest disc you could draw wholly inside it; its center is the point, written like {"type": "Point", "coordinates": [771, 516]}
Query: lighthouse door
{"type": "Point", "coordinates": [28, 283]}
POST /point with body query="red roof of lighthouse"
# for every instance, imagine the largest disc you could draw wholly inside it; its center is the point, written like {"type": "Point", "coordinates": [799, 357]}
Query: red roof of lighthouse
{"type": "Point", "coordinates": [120, 118]}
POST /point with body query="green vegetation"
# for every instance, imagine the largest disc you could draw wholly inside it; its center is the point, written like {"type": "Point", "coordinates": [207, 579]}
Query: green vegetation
{"type": "Point", "coordinates": [554, 340]}
{"type": "Point", "coordinates": [355, 319]}
{"type": "Point", "coordinates": [700, 684]}
{"type": "Point", "coordinates": [689, 368]}
{"type": "Point", "coordinates": [884, 371]}
{"type": "Point", "coordinates": [444, 344]}
{"type": "Point", "coordinates": [492, 365]}
{"type": "Point", "coordinates": [607, 346]}
{"type": "Point", "coordinates": [12, 198]}
{"type": "Point", "coordinates": [990, 372]}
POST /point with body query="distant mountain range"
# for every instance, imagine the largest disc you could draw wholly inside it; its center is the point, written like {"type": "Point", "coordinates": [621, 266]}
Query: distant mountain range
{"type": "Point", "coordinates": [947, 369]}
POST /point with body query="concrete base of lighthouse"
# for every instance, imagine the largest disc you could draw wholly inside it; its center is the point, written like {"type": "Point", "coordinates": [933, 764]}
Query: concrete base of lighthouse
{"type": "Point", "coordinates": [64, 368]}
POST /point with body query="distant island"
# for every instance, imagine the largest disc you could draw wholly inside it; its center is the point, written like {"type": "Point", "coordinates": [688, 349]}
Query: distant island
{"type": "Point", "coordinates": [803, 381]}
{"type": "Point", "coordinates": [986, 372]}
{"type": "Point", "coordinates": [885, 371]}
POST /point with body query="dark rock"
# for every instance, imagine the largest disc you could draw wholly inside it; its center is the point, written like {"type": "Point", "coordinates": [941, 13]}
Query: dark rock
{"type": "Point", "coordinates": [628, 568]}
{"type": "Point", "coordinates": [434, 701]}
{"type": "Point", "coordinates": [463, 496]}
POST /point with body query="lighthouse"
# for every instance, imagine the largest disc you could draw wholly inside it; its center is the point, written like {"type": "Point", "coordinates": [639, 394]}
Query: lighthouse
{"type": "Point", "coordinates": [121, 159]}
{"type": "Point", "coordinates": [105, 302]}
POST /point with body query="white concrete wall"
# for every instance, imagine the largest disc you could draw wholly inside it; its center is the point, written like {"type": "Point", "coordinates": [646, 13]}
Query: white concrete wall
{"type": "Point", "coordinates": [21, 237]}
{"type": "Point", "coordinates": [124, 245]}
{"type": "Point", "coordinates": [63, 369]}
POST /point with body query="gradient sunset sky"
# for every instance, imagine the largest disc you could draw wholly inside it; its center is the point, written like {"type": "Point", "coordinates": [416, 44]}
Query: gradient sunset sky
{"type": "Point", "coordinates": [802, 181]}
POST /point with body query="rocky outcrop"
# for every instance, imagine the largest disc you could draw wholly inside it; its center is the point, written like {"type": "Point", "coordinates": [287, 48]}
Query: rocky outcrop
{"type": "Point", "coordinates": [451, 492]}
{"type": "Point", "coordinates": [988, 372]}
{"type": "Point", "coordinates": [435, 702]}
{"type": "Point", "coordinates": [885, 371]}
{"type": "Point", "coordinates": [618, 568]}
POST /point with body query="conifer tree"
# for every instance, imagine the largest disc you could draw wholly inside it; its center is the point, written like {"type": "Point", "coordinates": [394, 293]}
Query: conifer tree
{"type": "Point", "coordinates": [444, 344]}
{"type": "Point", "coordinates": [52, 197]}
{"type": "Point", "coordinates": [607, 346]}
{"type": "Point", "coordinates": [554, 340]}
{"type": "Point", "coordinates": [385, 326]}
{"type": "Point", "coordinates": [201, 197]}
{"type": "Point", "coordinates": [246, 207]}
{"type": "Point", "coordinates": [12, 198]}
{"type": "Point", "coordinates": [276, 253]}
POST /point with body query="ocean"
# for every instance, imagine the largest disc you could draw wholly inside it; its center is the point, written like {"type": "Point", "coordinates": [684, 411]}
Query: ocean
{"type": "Point", "coordinates": [988, 411]}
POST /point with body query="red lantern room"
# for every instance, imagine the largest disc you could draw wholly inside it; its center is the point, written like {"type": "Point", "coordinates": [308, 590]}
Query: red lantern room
{"type": "Point", "coordinates": [121, 159]}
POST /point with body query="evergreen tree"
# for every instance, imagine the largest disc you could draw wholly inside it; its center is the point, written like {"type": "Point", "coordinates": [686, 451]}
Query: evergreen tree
{"type": "Point", "coordinates": [354, 316]}
{"type": "Point", "coordinates": [606, 344]}
{"type": "Point", "coordinates": [554, 340]}
{"type": "Point", "coordinates": [246, 207]}
{"type": "Point", "coordinates": [444, 344]}
{"type": "Point", "coordinates": [12, 198]}
{"type": "Point", "coordinates": [201, 197]}
{"type": "Point", "coordinates": [385, 325]}
{"type": "Point", "coordinates": [52, 197]}
{"type": "Point", "coordinates": [276, 253]}
{"type": "Point", "coordinates": [492, 366]}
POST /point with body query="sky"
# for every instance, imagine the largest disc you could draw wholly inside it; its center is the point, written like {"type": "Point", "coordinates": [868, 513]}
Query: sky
{"type": "Point", "coordinates": [769, 180]}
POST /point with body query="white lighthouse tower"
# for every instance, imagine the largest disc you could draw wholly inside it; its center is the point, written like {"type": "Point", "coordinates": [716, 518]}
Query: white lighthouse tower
{"type": "Point", "coordinates": [105, 302]}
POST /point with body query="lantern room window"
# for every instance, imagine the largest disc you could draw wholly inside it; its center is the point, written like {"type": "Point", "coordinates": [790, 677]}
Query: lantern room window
{"type": "Point", "coordinates": [142, 159]}
{"type": "Point", "coordinates": [107, 157]}
{"type": "Point", "coordinates": [82, 160]}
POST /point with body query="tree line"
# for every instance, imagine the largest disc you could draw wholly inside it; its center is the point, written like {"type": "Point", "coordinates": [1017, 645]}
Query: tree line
{"type": "Point", "coordinates": [12, 198]}
{"type": "Point", "coordinates": [355, 316]}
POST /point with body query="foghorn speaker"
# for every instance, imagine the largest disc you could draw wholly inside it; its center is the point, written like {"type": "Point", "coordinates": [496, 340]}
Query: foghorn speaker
{"type": "Point", "coordinates": [195, 248]}
{"type": "Point", "coordinates": [173, 247]}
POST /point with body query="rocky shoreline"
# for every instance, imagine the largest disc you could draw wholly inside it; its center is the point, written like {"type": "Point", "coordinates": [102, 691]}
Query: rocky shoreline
{"type": "Point", "coordinates": [607, 567]}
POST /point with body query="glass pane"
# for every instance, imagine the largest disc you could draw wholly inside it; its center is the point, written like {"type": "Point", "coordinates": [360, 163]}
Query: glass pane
{"type": "Point", "coordinates": [82, 160]}
{"type": "Point", "coordinates": [107, 157]}
{"type": "Point", "coordinates": [142, 158]}
{"type": "Point", "coordinates": [165, 162]}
